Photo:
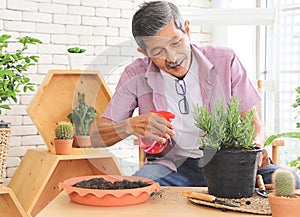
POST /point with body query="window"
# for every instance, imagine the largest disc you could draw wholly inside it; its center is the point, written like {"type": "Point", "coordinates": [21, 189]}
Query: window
{"type": "Point", "coordinates": [283, 66]}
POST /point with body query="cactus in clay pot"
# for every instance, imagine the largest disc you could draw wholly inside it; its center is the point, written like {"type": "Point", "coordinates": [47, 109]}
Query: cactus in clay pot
{"type": "Point", "coordinates": [64, 133]}
{"type": "Point", "coordinates": [82, 116]}
{"type": "Point", "coordinates": [64, 130]}
{"type": "Point", "coordinates": [284, 182]}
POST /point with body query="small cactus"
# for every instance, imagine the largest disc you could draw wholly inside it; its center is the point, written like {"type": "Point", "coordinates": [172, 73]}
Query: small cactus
{"type": "Point", "coordinates": [82, 116]}
{"type": "Point", "coordinates": [64, 130]}
{"type": "Point", "coordinates": [284, 182]}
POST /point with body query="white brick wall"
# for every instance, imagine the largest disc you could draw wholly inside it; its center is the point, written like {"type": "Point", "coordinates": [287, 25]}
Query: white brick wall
{"type": "Point", "coordinates": [41, 17]}
{"type": "Point", "coordinates": [103, 27]}
{"type": "Point", "coordinates": [22, 5]}
{"type": "Point", "coordinates": [8, 14]}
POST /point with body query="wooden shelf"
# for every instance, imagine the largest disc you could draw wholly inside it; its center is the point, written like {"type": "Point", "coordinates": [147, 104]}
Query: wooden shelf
{"type": "Point", "coordinates": [35, 183]}
{"type": "Point", "coordinates": [9, 204]}
{"type": "Point", "coordinates": [57, 96]}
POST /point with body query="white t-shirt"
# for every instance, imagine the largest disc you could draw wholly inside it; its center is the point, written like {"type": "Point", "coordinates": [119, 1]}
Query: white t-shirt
{"type": "Point", "coordinates": [187, 134]}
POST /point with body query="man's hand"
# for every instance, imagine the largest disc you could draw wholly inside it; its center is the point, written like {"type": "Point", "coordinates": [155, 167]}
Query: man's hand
{"type": "Point", "coordinates": [151, 126]}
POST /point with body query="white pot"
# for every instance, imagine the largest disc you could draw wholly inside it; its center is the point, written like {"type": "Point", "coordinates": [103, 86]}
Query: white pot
{"type": "Point", "coordinates": [76, 61]}
{"type": "Point", "coordinates": [219, 3]}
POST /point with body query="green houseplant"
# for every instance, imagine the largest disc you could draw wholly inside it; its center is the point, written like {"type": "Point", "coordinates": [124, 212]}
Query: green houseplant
{"type": "Point", "coordinates": [230, 157]}
{"type": "Point", "coordinates": [296, 135]}
{"type": "Point", "coordinates": [13, 64]}
{"type": "Point", "coordinates": [12, 67]}
{"type": "Point", "coordinates": [82, 116]}
{"type": "Point", "coordinates": [63, 141]}
{"type": "Point", "coordinates": [284, 200]}
{"type": "Point", "coordinates": [76, 57]}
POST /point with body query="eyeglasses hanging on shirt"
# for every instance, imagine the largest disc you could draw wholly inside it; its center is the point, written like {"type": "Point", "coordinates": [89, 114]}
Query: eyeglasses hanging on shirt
{"type": "Point", "coordinates": [183, 104]}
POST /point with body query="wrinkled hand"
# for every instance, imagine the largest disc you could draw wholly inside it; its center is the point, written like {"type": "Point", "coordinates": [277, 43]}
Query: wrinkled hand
{"type": "Point", "coordinates": [151, 126]}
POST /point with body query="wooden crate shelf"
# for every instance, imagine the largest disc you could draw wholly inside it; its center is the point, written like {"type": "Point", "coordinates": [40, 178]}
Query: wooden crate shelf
{"type": "Point", "coordinates": [57, 96]}
{"type": "Point", "coordinates": [35, 183]}
{"type": "Point", "coordinates": [9, 204]}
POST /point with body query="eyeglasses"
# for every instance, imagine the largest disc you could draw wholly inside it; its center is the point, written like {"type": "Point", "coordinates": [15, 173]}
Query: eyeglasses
{"type": "Point", "coordinates": [183, 104]}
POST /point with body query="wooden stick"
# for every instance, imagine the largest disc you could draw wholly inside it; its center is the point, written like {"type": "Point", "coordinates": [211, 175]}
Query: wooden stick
{"type": "Point", "coordinates": [198, 195]}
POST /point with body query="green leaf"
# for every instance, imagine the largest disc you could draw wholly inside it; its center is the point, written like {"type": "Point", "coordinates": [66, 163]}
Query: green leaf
{"type": "Point", "coordinates": [4, 38]}
{"type": "Point", "coordinates": [34, 58]}
{"type": "Point", "coordinates": [295, 163]}
{"type": "Point", "coordinates": [28, 87]}
{"type": "Point", "coordinates": [26, 79]}
{"type": "Point", "coordinates": [27, 59]}
{"type": "Point", "coordinates": [5, 107]}
{"type": "Point", "coordinates": [295, 135]}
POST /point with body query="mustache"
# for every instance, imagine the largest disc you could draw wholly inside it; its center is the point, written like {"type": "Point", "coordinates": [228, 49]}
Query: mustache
{"type": "Point", "coordinates": [176, 63]}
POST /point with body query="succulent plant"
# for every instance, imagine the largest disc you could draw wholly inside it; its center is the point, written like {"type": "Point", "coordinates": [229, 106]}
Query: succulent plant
{"type": "Point", "coordinates": [76, 50]}
{"type": "Point", "coordinates": [284, 182]}
{"type": "Point", "coordinates": [64, 130]}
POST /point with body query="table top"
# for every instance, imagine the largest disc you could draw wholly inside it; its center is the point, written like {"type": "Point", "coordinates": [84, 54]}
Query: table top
{"type": "Point", "coordinates": [168, 203]}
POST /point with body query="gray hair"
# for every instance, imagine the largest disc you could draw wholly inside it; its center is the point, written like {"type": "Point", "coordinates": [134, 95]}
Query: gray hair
{"type": "Point", "coordinates": [152, 17]}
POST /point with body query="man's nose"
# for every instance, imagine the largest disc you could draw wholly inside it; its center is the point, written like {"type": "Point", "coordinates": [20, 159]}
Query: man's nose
{"type": "Point", "coordinates": [171, 56]}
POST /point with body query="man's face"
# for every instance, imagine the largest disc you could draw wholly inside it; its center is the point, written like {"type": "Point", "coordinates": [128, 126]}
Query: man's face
{"type": "Point", "coordinates": [170, 50]}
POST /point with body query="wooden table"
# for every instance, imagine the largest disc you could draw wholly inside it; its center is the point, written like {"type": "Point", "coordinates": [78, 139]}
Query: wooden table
{"type": "Point", "coordinates": [169, 203]}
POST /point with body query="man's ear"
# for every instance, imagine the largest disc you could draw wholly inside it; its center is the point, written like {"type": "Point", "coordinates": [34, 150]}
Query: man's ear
{"type": "Point", "coordinates": [141, 51]}
{"type": "Point", "coordinates": [187, 27]}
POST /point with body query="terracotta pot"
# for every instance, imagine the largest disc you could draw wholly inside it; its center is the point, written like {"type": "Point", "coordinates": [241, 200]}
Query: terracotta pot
{"type": "Point", "coordinates": [82, 141]}
{"type": "Point", "coordinates": [97, 197]}
{"type": "Point", "coordinates": [284, 206]}
{"type": "Point", "coordinates": [63, 146]}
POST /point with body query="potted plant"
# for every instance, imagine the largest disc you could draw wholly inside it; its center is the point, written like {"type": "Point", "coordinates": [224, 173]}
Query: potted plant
{"type": "Point", "coordinates": [284, 201]}
{"type": "Point", "coordinates": [82, 116]}
{"type": "Point", "coordinates": [230, 157]}
{"type": "Point", "coordinates": [13, 64]}
{"type": "Point", "coordinates": [63, 141]}
{"type": "Point", "coordinates": [76, 57]}
{"type": "Point", "coordinates": [295, 135]}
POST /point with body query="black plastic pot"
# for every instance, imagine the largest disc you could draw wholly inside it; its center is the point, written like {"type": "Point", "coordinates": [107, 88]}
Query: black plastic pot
{"type": "Point", "coordinates": [231, 173]}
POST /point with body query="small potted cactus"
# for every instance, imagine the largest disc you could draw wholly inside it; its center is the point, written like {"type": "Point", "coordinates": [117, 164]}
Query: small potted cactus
{"type": "Point", "coordinates": [284, 200]}
{"type": "Point", "coordinates": [82, 117]}
{"type": "Point", "coordinates": [64, 133]}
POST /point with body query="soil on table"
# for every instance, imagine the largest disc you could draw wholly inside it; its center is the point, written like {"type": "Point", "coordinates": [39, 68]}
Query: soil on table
{"type": "Point", "coordinates": [102, 184]}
